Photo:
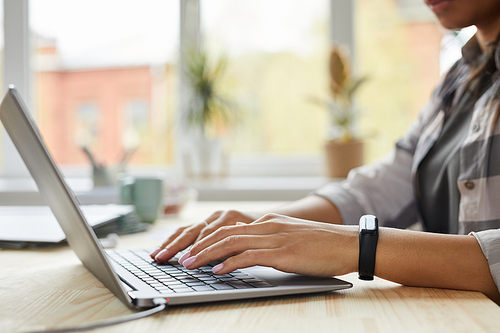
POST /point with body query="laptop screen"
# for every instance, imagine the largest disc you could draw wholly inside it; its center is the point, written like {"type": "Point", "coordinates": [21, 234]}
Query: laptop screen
{"type": "Point", "coordinates": [25, 135]}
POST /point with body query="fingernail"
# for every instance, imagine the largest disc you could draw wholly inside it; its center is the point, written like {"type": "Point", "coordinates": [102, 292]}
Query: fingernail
{"type": "Point", "coordinates": [184, 257]}
{"type": "Point", "coordinates": [189, 261]}
{"type": "Point", "coordinates": [162, 255]}
{"type": "Point", "coordinates": [218, 268]}
{"type": "Point", "coordinates": [155, 252]}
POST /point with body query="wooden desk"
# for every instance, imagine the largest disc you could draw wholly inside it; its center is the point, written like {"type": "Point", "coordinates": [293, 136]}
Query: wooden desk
{"type": "Point", "coordinates": [60, 292]}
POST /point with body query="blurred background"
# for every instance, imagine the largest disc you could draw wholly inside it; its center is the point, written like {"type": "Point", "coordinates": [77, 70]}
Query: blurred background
{"type": "Point", "coordinates": [106, 74]}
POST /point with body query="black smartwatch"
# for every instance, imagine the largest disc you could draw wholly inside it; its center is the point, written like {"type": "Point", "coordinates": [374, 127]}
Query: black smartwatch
{"type": "Point", "coordinates": [368, 238]}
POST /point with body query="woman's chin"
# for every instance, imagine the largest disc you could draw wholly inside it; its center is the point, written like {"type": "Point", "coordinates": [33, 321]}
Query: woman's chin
{"type": "Point", "coordinates": [452, 24]}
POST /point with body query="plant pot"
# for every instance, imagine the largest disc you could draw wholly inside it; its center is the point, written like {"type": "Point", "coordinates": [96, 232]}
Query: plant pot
{"type": "Point", "coordinates": [341, 157]}
{"type": "Point", "coordinates": [205, 159]}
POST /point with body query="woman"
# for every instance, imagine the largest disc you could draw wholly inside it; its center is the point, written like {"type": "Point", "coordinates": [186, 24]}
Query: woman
{"type": "Point", "coordinates": [443, 172]}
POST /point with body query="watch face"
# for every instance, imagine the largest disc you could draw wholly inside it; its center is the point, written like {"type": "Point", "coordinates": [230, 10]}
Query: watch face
{"type": "Point", "coordinates": [368, 223]}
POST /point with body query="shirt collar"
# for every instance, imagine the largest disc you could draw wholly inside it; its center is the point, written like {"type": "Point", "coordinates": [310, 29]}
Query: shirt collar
{"type": "Point", "coordinates": [471, 52]}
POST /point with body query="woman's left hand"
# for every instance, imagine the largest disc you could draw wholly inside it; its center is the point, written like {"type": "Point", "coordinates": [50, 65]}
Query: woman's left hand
{"type": "Point", "coordinates": [284, 243]}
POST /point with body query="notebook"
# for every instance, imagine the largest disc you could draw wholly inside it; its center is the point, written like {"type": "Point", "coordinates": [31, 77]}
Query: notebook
{"type": "Point", "coordinates": [31, 226]}
{"type": "Point", "coordinates": [130, 274]}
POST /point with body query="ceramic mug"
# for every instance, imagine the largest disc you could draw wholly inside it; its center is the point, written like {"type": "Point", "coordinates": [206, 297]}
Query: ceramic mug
{"type": "Point", "coordinates": [145, 193]}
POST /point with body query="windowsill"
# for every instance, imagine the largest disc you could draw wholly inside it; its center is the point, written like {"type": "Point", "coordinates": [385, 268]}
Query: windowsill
{"type": "Point", "coordinates": [258, 188]}
{"type": "Point", "coordinates": [23, 191]}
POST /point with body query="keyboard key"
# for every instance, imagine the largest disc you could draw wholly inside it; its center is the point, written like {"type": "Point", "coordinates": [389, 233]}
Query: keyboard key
{"type": "Point", "coordinates": [205, 269]}
{"type": "Point", "coordinates": [166, 278]}
{"type": "Point", "coordinates": [165, 290]}
{"type": "Point", "coordinates": [183, 290]}
{"type": "Point", "coordinates": [251, 280]}
{"type": "Point", "coordinates": [209, 280]}
{"type": "Point", "coordinates": [240, 285]}
{"type": "Point", "coordinates": [173, 283]}
{"type": "Point", "coordinates": [197, 283]}
{"type": "Point", "coordinates": [229, 279]}
{"type": "Point", "coordinates": [239, 275]}
{"type": "Point", "coordinates": [221, 286]}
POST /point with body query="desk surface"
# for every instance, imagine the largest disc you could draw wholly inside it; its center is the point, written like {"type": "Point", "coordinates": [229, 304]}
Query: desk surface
{"type": "Point", "coordinates": [61, 292]}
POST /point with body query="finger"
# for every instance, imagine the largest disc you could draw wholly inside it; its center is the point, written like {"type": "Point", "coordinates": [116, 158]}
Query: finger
{"type": "Point", "coordinates": [241, 229]}
{"type": "Point", "coordinates": [229, 246]}
{"type": "Point", "coordinates": [215, 216]}
{"type": "Point", "coordinates": [186, 238]}
{"type": "Point", "coordinates": [262, 257]}
{"type": "Point", "coordinates": [170, 239]}
{"type": "Point", "coordinates": [215, 221]}
{"type": "Point", "coordinates": [209, 229]}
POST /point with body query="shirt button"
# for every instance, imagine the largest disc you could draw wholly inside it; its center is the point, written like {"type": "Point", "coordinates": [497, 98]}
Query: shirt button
{"type": "Point", "coordinates": [475, 127]}
{"type": "Point", "coordinates": [470, 185]}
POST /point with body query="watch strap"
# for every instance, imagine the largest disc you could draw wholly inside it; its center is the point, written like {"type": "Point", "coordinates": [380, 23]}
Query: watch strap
{"type": "Point", "coordinates": [367, 253]}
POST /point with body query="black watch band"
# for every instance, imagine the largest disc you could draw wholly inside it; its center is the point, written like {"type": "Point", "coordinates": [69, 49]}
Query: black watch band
{"type": "Point", "coordinates": [368, 238]}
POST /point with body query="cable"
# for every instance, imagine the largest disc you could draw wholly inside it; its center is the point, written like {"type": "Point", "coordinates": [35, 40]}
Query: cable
{"type": "Point", "coordinates": [160, 302]}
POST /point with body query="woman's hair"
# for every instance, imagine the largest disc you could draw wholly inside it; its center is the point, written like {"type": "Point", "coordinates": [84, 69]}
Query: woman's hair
{"type": "Point", "coordinates": [484, 72]}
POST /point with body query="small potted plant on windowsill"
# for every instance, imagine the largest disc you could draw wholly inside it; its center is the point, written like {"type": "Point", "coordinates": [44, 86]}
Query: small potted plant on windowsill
{"type": "Point", "coordinates": [344, 150]}
{"type": "Point", "coordinates": [208, 117]}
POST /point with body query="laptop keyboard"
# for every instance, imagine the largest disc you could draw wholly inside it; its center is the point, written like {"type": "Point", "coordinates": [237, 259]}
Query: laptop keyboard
{"type": "Point", "coordinates": [173, 277]}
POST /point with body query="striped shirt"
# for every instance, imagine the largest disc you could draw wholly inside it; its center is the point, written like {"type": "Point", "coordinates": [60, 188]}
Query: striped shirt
{"type": "Point", "coordinates": [388, 188]}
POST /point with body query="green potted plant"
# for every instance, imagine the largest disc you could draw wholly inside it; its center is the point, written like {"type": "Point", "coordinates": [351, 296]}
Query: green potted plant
{"type": "Point", "coordinates": [344, 150]}
{"type": "Point", "coordinates": [209, 115]}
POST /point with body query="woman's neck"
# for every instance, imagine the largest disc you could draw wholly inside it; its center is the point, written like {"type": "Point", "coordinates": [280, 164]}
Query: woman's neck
{"type": "Point", "coordinates": [487, 33]}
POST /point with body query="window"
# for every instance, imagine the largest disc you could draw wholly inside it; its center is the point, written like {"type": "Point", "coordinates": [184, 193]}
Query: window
{"type": "Point", "coordinates": [277, 59]}
{"type": "Point", "coordinates": [397, 45]}
{"type": "Point", "coordinates": [86, 130]}
{"type": "Point", "coordinates": [106, 78]}
{"type": "Point", "coordinates": [122, 61]}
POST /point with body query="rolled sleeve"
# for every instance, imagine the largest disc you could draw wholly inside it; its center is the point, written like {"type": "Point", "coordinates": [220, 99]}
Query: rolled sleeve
{"type": "Point", "coordinates": [347, 204]}
{"type": "Point", "coordinates": [489, 241]}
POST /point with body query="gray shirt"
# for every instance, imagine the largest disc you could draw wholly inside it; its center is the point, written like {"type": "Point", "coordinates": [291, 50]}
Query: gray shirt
{"type": "Point", "coordinates": [437, 191]}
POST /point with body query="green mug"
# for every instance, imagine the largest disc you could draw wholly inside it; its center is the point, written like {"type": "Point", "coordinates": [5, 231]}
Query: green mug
{"type": "Point", "coordinates": [145, 193]}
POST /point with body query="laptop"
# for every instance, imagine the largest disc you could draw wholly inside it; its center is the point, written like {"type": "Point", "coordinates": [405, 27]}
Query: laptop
{"type": "Point", "coordinates": [132, 275]}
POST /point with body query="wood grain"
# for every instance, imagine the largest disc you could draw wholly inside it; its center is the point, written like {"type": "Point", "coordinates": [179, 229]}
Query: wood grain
{"type": "Point", "coordinates": [49, 288]}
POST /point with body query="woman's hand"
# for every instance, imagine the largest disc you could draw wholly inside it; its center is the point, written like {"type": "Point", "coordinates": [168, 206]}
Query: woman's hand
{"type": "Point", "coordinates": [287, 244]}
{"type": "Point", "coordinates": [185, 236]}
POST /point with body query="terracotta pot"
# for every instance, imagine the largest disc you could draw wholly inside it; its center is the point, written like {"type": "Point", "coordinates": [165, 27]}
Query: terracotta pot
{"type": "Point", "coordinates": [342, 157]}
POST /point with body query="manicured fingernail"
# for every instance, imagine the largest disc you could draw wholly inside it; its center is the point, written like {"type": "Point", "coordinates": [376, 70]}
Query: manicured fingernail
{"type": "Point", "coordinates": [218, 268]}
{"type": "Point", "coordinates": [162, 255]}
{"type": "Point", "coordinates": [189, 261]}
{"type": "Point", "coordinates": [155, 252]}
{"type": "Point", "coordinates": [184, 257]}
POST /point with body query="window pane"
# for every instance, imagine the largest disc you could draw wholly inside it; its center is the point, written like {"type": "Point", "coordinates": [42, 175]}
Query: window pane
{"type": "Point", "coordinates": [397, 47]}
{"type": "Point", "coordinates": [277, 59]}
{"type": "Point", "coordinates": [106, 78]}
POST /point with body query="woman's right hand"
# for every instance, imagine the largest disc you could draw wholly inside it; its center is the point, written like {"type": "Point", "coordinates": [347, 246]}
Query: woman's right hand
{"type": "Point", "coordinates": [185, 236]}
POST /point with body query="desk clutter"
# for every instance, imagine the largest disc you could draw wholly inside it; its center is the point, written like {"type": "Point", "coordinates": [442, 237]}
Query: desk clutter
{"type": "Point", "coordinates": [35, 226]}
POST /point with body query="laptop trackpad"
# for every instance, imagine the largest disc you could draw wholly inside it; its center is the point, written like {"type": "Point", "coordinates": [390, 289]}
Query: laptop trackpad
{"type": "Point", "coordinates": [276, 277]}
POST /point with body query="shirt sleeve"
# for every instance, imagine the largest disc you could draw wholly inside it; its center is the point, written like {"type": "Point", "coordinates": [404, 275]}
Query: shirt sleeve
{"type": "Point", "coordinates": [489, 241]}
{"type": "Point", "coordinates": [383, 189]}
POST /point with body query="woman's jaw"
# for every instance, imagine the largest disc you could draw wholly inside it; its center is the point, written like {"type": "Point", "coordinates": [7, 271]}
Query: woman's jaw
{"type": "Point", "coordinates": [458, 14]}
